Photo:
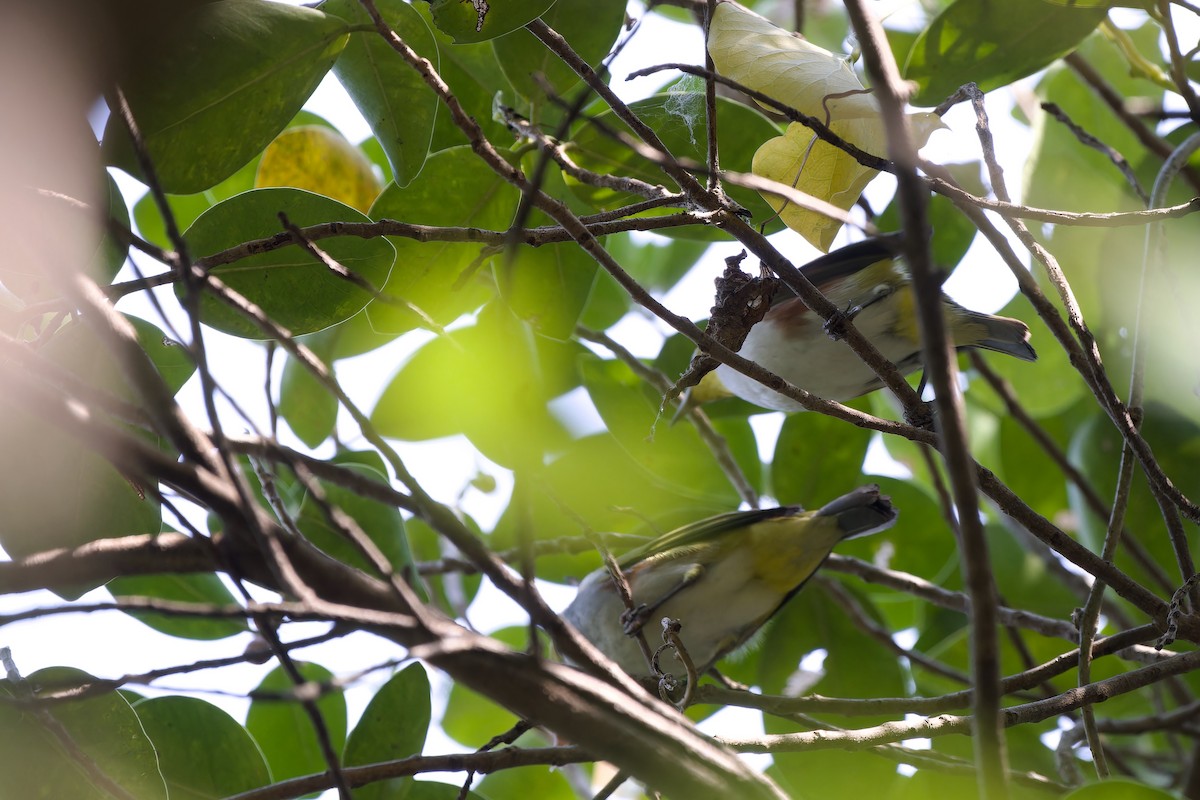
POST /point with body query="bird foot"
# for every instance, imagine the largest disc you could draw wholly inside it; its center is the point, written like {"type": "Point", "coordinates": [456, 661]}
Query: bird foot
{"type": "Point", "coordinates": [634, 619]}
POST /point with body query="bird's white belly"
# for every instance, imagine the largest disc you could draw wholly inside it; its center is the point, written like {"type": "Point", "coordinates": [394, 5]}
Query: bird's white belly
{"type": "Point", "coordinates": [820, 365]}
{"type": "Point", "coordinates": [714, 612]}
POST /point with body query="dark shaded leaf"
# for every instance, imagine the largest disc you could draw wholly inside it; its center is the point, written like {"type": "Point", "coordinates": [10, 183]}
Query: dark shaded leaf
{"type": "Point", "coordinates": [678, 119]}
{"type": "Point", "coordinates": [289, 285]}
{"type": "Point", "coordinates": [221, 73]}
{"type": "Point", "coordinates": [193, 588]}
{"type": "Point", "coordinates": [478, 21]}
{"type": "Point", "coordinates": [392, 96]}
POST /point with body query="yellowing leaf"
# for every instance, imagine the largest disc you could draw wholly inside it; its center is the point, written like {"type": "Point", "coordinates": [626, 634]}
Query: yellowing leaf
{"type": "Point", "coordinates": [320, 160]}
{"type": "Point", "coordinates": [757, 54]}
{"type": "Point", "coordinates": [754, 52]}
{"type": "Point", "coordinates": [818, 168]}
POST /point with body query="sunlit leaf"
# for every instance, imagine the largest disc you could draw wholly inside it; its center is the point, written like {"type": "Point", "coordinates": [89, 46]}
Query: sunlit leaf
{"type": "Point", "coordinates": [810, 79]}
{"type": "Point", "coordinates": [381, 522]}
{"type": "Point", "coordinates": [798, 478]}
{"type": "Point", "coordinates": [432, 278]}
{"type": "Point", "coordinates": [548, 286]}
{"type": "Point", "coordinates": [319, 160]}
{"type": "Point", "coordinates": [674, 454]}
{"type": "Point", "coordinates": [994, 44]}
{"type": "Point", "coordinates": [308, 406]}
{"type": "Point", "coordinates": [491, 381]}
{"type": "Point", "coordinates": [185, 208]}
{"type": "Point", "coordinates": [1118, 789]}
{"type": "Point", "coordinates": [474, 75]}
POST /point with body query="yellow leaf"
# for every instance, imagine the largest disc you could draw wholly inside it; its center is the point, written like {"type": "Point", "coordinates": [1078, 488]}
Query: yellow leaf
{"type": "Point", "coordinates": [319, 159]}
{"type": "Point", "coordinates": [757, 54]}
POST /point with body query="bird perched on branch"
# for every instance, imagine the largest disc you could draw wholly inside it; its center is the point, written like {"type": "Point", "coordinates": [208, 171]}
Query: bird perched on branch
{"type": "Point", "coordinates": [721, 578]}
{"type": "Point", "coordinates": [868, 282]}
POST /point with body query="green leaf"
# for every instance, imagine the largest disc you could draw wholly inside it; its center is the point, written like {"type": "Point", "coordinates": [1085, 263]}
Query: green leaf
{"type": "Point", "coordinates": [1118, 789]}
{"type": "Point", "coordinates": [170, 358]}
{"type": "Point", "coordinates": [475, 77]}
{"type": "Point", "coordinates": [1024, 579]}
{"type": "Point", "coordinates": [195, 588]}
{"type": "Point", "coordinates": [353, 337]}
{"type": "Point", "coordinates": [1096, 449]}
{"type": "Point", "coordinates": [548, 286]}
{"type": "Point", "coordinates": [798, 477]}
{"type": "Point", "coordinates": [203, 753]}
{"type": "Point", "coordinates": [993, 44]}
{"type": "Point", "coordinates": [392, 96]}
{"type": "Point", "coordinates": [35, 763]}
{"type": "Point", "coordinates": [578, 488]}
{"type": "Point", "coordinates": [657, 264]}
{"type": "Point", "coordinates": [309, 408]}
{"type": "Point", "coordinates": [451, 592]}
{"type": "Point", "coordinates": [526, 782]}
{"type": "Point", "coordinates": [478, 21]}
{"type": "Point", "coordinates": [836, 773]}
{"type": "Point", "coordinates": [470, 718]}
{"type": "Point", "coordinates": [675, 455]}
{"type": "Point", "coordinates": [56, 491]}
{"type": "Point", "coordinates": [431, 790]}
{"type": "Point", "coordinates": [491, 381]}
{"type": "Point", "coordinates": [589, 28]}
{"type": "Point", "coordinates": [678, 119]}
{"type": "Point", "coordinates": [454, 189]}
{"type": "Point", "coordinates": [110, 256]}
{"type": "Point", "coordinates": [288, 284]}
{"type": "Point", "coordinates": [856, 664]}
{"type": "Point", "coordinates": [185, 208]}
{"type": "Point", "coordinates": [952, 231]}
{"type": "Point", "coordinates": [284, 731]}
{"type": "Point", "coordinates": [393, 726]}
{"type": "Point", "coordinates": [380, 521]}
{"type": "Point", "coordinates": [1050, 385]}
{"type": "Point", "coordinates": [219, 74]}
{"type": "Point", "coordinates": [1026, 467]}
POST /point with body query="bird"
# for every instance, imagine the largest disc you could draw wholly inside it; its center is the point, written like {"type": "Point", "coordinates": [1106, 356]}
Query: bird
{"type": "Point", "coordinates": [868, 281]}
{"type": "Point", "coordinates": [721, 578]}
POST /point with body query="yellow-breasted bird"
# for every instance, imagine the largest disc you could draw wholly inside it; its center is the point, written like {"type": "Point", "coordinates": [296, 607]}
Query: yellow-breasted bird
{"type": "Point", "coordinates": [868, 282]}
{"type": "Point", "coordinates": [721, 577]}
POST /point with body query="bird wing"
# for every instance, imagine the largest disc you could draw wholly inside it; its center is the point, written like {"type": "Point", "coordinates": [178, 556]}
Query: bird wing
{"type": "Point", "coordinates": [682, 541]}
{"type": "Point", "coordinates": [844, 261]}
